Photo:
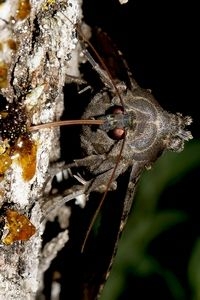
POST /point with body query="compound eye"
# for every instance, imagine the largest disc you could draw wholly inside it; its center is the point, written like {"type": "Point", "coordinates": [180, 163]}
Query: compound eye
{"type": "Point", "coordinates": [117, 133]}
{"type": "Point", "coordinates": [117, 109]}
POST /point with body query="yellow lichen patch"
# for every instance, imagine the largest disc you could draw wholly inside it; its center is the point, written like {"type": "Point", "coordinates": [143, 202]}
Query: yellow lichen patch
{"type": "Point", "coordinates": [19, 226]}
{"type": "Point", "coordinates": [47, 3]}
{"type": "Point", "coordinates": [27, 150]}
{"type": "Point", "coordinates": [3, 114]}
{"type": "Point", "coordinates": [5, 159]}
{"type": "Point", "coordinates": [5, 162]}
{"type": "Point", "coordinates": [12, 44]}
{"type": "Point", "coordinates": [24, 153]}
{"type": "Point", "coordinates": [24, 8]}
{"type": "Point", "coordinates": [3, 75]}
{"type": "Point", "coordinates": [4, 146]}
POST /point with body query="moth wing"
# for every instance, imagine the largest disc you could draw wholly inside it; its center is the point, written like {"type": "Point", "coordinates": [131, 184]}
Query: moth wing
{"type": "Point", "coordinates": [112, 58]}
{"type": "Point", "coordinates": [101, 248]}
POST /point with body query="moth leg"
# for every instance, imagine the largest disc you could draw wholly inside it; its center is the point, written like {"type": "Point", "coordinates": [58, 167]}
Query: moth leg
{"type": "Point", "coordinates": [105, 78]}
{"type": "Point", "coordinates": [136, 171]}
{"type": "Point", "coordinates": [52, 204]}
{"type": "Point", "coordinates": [74, 79]}
{"type": "Point", "coordinates": [91, 162]}
{"type": "Point", "coordinates": [100, 183]}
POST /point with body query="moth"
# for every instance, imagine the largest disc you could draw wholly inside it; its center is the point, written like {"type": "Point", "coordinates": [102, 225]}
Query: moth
{"type": "Point", "coordinates": [135, 131]}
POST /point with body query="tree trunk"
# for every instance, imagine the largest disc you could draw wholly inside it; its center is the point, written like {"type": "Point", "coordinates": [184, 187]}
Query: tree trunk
{"type": "Point", "coordinates": [37, 50]}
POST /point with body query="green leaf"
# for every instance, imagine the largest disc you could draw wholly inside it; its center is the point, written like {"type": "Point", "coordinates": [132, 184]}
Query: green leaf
{"type": "Point", "coordinates": [169, 169]}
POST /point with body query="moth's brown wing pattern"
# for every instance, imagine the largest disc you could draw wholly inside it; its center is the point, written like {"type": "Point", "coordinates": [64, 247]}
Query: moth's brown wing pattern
{"type": "Point", "coordinates": [101, 247]}
{"type": "Point", "coordinates": [112, 57]}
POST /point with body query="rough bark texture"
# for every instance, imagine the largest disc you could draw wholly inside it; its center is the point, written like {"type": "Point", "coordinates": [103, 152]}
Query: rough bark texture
{"type": "Point", "coordinates": [33, 74]}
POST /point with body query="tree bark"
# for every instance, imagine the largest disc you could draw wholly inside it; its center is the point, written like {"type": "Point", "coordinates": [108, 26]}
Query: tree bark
{"type": "Point", "coordinates": [32, 74]}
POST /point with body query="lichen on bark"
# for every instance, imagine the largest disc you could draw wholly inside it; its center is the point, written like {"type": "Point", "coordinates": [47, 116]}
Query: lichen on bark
{"type": "Point", "coordinates": [37, 42]}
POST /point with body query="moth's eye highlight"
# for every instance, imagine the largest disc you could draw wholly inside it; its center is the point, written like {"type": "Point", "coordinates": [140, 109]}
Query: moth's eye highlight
{"type": "Point", "coordinates": [118, 132]}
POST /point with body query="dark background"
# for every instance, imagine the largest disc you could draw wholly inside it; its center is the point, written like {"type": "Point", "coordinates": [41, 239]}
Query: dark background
{"type": "Point", "coordinates": [159, 41]}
